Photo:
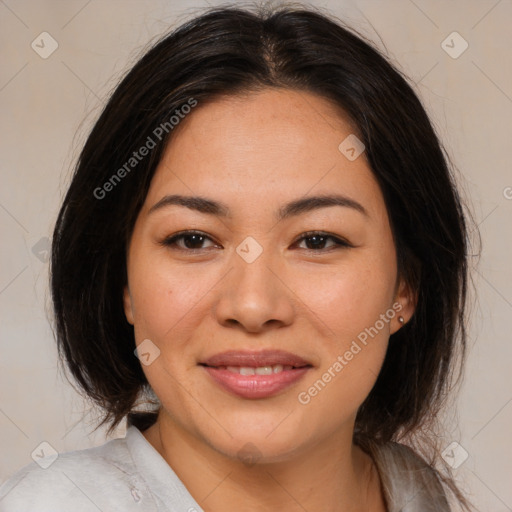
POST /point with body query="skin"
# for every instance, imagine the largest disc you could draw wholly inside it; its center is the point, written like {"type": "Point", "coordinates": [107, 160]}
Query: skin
{"type": "Point", "coordinates": [255, 154]}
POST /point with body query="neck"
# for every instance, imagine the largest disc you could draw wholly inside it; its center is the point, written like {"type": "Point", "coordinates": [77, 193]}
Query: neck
{"type": "Point", "coordinates": [331, 476]}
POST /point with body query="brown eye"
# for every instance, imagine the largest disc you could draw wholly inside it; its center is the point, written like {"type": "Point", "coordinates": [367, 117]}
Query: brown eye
{"type": "Point", "coordinates": [188, 240]}
{"type": "Point", "coordinates": [318, 241]}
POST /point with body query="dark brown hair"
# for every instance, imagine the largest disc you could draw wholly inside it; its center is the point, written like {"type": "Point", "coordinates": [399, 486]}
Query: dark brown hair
{"type": "Point", "coordinates": [230, 51]}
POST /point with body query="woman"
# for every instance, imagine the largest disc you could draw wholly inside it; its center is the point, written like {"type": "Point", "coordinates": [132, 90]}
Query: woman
{"type": "Point", "coordinates": [263, 215]}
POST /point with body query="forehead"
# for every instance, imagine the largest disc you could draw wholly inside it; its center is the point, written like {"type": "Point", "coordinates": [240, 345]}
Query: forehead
{"type": "Point", "coordinates": [264, 147]}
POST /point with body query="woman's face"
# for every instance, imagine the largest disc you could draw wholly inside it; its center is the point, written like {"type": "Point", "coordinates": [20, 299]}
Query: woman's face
{"type": "Point", "coordinates": [251, 288]}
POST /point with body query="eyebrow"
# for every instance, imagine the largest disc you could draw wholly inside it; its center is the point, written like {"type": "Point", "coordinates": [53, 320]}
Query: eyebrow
{"type": "Point", "coordinates": [293, 208]}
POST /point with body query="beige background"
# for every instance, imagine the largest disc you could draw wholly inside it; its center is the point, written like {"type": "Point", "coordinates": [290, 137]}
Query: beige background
{"type": "Point", "coordinates": [49, 104]}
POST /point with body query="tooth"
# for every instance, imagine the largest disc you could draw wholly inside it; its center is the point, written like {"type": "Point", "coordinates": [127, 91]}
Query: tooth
{"type": "Point", "coordinates": [260, 370]}
{"type": "Point", "coordinates": [264, 370]}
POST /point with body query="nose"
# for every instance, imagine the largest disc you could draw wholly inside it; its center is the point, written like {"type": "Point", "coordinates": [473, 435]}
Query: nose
{"type": "Point", "coordinates": [254, 296]}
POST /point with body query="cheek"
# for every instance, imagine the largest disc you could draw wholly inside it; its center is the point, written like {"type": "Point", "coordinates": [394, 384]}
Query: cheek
{"type": "Point", "coordinates": [351, 298]}
{"type": "Point", "coordinates": [152, 315]}
{"type": "Point", "coordinates": [347, 307]}
{"type": "Point", "coordinates": [169, 305]}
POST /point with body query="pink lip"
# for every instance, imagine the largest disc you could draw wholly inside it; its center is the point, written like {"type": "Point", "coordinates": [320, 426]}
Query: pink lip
{"type": "Point", "coordinates": [255, 359]}
{"type": "Point", "coordinates": [255, 386]}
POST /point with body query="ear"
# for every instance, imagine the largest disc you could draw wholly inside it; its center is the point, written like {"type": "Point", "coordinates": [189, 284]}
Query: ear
{"type": "Point", "coordinates": [404, 304]}
{"type": "Point", "coordinates": [127, 302]}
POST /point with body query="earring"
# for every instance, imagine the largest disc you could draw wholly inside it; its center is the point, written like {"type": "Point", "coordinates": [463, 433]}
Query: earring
{"type": "Point", "coordinates": [401, 320]}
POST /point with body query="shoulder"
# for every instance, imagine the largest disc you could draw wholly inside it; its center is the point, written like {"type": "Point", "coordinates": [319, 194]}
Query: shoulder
{"type": "Point", "coordinates": [78, 481]}
{"type": "Point", "coordinates": [409, 483]}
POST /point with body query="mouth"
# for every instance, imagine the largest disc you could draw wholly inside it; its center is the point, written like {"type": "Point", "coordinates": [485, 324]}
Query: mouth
{"type": "Point", "coordinates": [259, 370]}
{"type": "Point", "coordinates": [255, 375]}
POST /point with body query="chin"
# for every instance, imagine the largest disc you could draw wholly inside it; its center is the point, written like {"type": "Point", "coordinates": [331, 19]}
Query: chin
{"type": "Point", "coordinates": [258, 445]}
{"type": "Point", "coordinates": [258, 451]}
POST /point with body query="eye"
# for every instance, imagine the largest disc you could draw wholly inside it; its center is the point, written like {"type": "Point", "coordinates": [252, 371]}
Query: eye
{"type": "Point", "coordinates": [318, 241]}
{"type": "Point", "coordinates": [188, 241]}
{"type": "Point", "coordinates": [315, 241]}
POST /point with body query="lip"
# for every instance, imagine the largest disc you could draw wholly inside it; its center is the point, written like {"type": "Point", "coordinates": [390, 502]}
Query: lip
{"type": "Point", "coordinates": [254, 359]}
{"type": "Point", "coordinates": [255, 386]}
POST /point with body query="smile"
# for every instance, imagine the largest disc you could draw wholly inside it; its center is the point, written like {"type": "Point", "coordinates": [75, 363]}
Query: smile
{"type": "Point", "coordinates": [260, 370]}
{"type": "Point", "coordinates": [255, 375]}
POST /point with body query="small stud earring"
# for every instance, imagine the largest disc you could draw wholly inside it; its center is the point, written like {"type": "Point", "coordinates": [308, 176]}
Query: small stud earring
{"type": "Point", "coordinates": [401, 320]}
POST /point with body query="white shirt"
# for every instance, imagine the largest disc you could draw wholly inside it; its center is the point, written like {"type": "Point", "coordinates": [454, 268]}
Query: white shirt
{"type": "Point", "coordinates": [128, 474]}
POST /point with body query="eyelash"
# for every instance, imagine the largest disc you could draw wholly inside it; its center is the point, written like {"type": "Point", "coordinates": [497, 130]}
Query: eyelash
{"type": "Point", "coordinates": [339, 243]}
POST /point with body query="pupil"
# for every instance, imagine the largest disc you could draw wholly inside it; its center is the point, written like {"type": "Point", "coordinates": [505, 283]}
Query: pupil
{"type": "Point", "coordinates": [196, 240]}
{"type": "Point", "coordinates": [317, 241]}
